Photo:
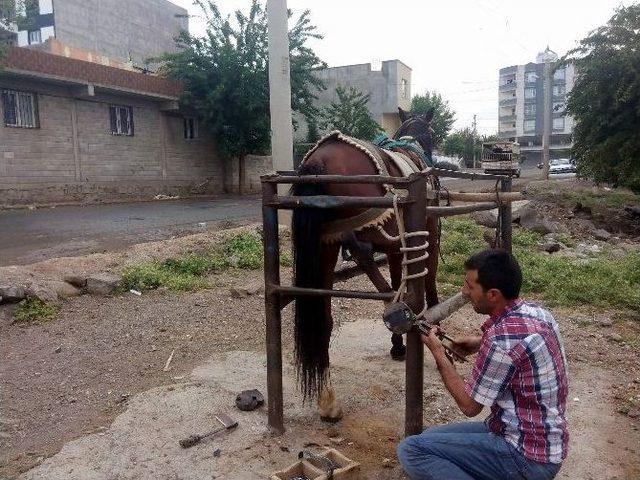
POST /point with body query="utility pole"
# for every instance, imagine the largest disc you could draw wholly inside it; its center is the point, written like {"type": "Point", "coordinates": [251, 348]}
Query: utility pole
{"type": "Point", "coordinates": [280, 85]}
{"type": "Point", "coordinates": [475, 135]}
{"type": "Point", "coordinates": [546, 132]}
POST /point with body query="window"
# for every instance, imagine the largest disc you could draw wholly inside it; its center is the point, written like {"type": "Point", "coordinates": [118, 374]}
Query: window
{"type": "Point", "coordinates": [531, 77]}
{"type": "Point", "coordinates": [46, 6]}
{"type": "Point", "coordinates": [558, 123]}
{"type": "Point", "coordinates": [559, 90]}
{"type": "Point", "coordinates": [190, 128]}
{"type": "Point", "coordinates": [35, 37]}
{"type": "Point", "coordinates": [20, 109]}
{"type": "Point", "coordinates": [530, 109]}
{"type": "Point", "coordinates": [529, 93]}
{"type": "Point", "coordinates": [121, 119]}
{"type": "Point", "coordinates": [559, 74]}
{"type": "Point", "coordinates": [558, 107]}
{"type": "Point", "coordinates": [404, 88]}
{"type": "Point", "coordinates": [529, 125]}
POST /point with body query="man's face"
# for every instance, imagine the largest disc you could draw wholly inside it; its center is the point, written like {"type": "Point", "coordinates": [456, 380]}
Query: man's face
{"type": "Point", "coordinates": [482, 301]}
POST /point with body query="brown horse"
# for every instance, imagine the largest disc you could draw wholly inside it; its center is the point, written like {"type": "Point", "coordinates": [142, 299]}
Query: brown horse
{"type": "Point", "coordinates": [315, 259]}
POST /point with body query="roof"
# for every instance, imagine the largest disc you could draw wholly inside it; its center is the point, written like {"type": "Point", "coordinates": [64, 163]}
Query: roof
{"type": "Point", "coordinates": [46, 66]}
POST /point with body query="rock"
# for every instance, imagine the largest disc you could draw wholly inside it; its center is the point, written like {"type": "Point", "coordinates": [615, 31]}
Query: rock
{"type": "Point", "coordinates": [58, 350]}
{"type": "Point", "coordinates": [104, 283]}
{"type": "Point", "coordinates": [487, 218]}
{"type": "Point", "coordinates": [616, 337]}
{"type": "Point", "coordinates": [489, 235]}
{"type": "Point", "coordinates": [583, 209]}
{"type": "Point", "coordinates": [634, 211]}
{"type": "Point", "coordinates": [605, 322]}
{"type": "Point", "coordinates": [44, 294]}
{"type": "Point", "coordinates": [551, 246]}
{"type": "Point", "coordinates": [387, 463]}
{"type": "Point", "coordinates": [251, 289]}
{"type": "Point", "coordinates": [635, 413]}
{"type": "Point", "coordinates": [65, 289]}
{"type": "Point", "coordinates": [78, 281]}
{"type": "Point", "coordinates": [12, 293]}
{"type": "Point", "coordinates": [337, 440]}
{"type": "Point", "coordinates": [601, 234]}
{"type": "Point", "coordinates": [532, 220]}
{"type": "Point", "coordinates": [517, 208]}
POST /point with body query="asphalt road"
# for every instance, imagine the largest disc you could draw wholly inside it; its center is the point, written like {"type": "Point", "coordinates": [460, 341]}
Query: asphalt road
{"type": "Point", "coordinates": [28, 236]}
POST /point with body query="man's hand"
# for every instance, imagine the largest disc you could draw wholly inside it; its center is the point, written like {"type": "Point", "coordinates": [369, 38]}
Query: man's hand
{"type": "Point", "coordinates": [467, 345]}
{"type": "Point", "coordinates": [432, 341]}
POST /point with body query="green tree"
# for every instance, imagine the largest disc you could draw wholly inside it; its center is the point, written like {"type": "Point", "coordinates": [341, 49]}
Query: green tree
{"type": "Point", "coordinates": [14, 13]}
{"type": "Point", "coordinates": [464, 144]}
{"type": "Point", "coordinates": [225, 75]}
{"type": "Point", "coordinates": [605, 101]}
{"type": "Point", "coordinates": [350, 115]}
{"type": "Point", "coordinates": [443, 116]}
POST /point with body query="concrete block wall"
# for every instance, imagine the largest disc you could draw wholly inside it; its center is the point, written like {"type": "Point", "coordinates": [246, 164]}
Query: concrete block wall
{"type": "Point", "coordinates": [73, 157]}
{"type": "Point", "coordinates": [255, 166]}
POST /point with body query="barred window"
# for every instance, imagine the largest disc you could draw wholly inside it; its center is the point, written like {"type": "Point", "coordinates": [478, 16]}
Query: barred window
{"type": "Point", "coordinates": [121, 119]}
{"type": "Point", "coordinates": [190, 128]}
{"type": "Point", "coordinates": [20, 109]}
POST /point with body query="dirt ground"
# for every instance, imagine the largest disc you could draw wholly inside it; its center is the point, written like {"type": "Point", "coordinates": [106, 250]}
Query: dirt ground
{"type": "Point", "coordinates": [91, 383]}
{"type": "Point", "coordinates": [84, 396]}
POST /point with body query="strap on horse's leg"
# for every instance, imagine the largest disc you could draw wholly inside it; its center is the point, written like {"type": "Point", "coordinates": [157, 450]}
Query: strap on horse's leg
{"type": "Point", "coordinates": [362, 253]}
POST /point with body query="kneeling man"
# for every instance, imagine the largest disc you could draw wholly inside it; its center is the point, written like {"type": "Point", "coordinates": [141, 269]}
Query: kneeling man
{"type": "Point", "coordinates": [519, 373]}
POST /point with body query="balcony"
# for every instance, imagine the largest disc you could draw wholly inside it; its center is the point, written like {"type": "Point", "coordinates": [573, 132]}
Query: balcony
{"type": "Point", "coordinates": [507, 118]}
{"type": "Point", "coordinates": [507, 133]}
{"type": "Point", "coordinates": [505, 87]}
{"type": "Point", "coordinates": [507, 102]}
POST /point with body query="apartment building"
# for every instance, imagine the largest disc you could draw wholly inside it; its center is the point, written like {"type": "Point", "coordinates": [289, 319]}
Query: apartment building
{"type": "Point", "coordinates": [122, 30]}
{"type": "Point", "coordinates": [521, 107]}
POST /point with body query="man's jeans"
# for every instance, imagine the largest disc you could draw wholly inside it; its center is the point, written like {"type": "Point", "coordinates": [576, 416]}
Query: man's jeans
{"type": "Point", "coordinates": [467, 451]}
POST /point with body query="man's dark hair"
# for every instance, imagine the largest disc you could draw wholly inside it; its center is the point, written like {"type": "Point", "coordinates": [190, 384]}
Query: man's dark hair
{"type": "Point", "coordinates": [497, 269]}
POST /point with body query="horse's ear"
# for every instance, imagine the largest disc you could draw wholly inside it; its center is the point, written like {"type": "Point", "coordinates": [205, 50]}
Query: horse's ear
{"type": "Point", "coordinates": [429, 115]}
{"type": "Point", "coordinates": [404, 116]}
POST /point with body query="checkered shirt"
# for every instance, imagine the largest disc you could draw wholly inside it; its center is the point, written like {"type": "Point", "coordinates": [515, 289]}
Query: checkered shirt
{"type": "Point", "coordinates": [520, 372]}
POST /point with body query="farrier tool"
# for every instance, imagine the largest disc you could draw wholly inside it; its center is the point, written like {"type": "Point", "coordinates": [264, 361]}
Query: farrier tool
{"type": "Point", "coordinates": [400, 319]}
{"type": "Point", "coordinates": [227, 423]}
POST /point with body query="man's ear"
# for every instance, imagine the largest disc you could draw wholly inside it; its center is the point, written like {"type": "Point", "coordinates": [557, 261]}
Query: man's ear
{"type": "Point", "coordinates": [494, 295]}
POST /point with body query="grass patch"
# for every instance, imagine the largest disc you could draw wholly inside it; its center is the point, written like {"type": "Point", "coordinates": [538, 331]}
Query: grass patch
{"type": "Point", "coordinates": [602, 281]}
{"type": "Point", "coordinates": [188, 272]}
{"type": "Point", "coordinates": [34, 310]}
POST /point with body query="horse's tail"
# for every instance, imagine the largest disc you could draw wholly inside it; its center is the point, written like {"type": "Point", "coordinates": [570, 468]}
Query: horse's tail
{"type": "Point", "coordinates": [312, 316]}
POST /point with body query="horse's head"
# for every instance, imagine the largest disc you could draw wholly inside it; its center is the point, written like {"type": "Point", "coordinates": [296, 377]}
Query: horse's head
{"type": "Point", "coordinates": [417, 126]}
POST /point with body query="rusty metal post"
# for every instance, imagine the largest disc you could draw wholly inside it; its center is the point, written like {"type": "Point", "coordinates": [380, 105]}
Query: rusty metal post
{"type": "Point", "coordinates": [415, 220]}
{"type": "Point", "coordinates": [272, 308]}
{"type": "Point", "coordinates": [504, 211]}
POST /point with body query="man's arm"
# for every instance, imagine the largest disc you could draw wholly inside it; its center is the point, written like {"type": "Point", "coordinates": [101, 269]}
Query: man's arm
{"type": "Point", "coordinates": [450, 376]}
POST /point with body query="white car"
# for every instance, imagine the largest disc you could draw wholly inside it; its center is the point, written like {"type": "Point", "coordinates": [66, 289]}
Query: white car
{"type": "Point", "coordinates": [561, 165]}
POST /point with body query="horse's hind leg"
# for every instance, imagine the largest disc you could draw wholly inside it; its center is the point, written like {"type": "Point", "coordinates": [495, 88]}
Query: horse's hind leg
{"type": "Point", "coordinates": [329, 406]}
{"type": "Point", "coordinates": [398, 350]}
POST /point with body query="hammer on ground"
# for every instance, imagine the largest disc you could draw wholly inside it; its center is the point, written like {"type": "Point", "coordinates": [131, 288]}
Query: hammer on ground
{"type": "Point", "coordinates": [227, 423]}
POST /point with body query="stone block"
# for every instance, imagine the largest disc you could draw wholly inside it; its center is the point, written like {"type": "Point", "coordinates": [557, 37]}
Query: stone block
{"type": "Point", "coordinates": [103, 283]}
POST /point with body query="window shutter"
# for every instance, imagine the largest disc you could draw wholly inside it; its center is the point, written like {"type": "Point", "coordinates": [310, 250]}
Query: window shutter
{"type": "Point", "coordinates": [9, 106]}
{"type": "Point", "coordinates": [124, 120]}
{"type": "Point", "coordinates": [113, 120]}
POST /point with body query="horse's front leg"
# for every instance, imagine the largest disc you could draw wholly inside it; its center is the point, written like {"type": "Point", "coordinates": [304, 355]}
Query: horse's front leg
{"type": "Point", "coordinates": [398, 350]}
{"type": "Point", "coordinates": [329, 407]}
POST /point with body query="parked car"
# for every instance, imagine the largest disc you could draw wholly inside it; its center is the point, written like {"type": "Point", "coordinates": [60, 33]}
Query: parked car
{"type": "Point", "coordinates": [561, 165]}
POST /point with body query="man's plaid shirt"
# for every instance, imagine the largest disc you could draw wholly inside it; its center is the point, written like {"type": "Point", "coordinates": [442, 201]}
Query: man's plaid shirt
{"type": "Point", "coordinates": [521, 374]}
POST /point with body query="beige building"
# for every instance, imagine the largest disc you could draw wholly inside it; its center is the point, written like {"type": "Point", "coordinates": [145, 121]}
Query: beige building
{"type": "Point", "coordinates": [389, 87]}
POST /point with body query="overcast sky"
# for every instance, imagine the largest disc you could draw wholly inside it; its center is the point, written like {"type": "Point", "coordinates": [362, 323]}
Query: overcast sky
{"type": "Point", "coordinates": [455, 47]}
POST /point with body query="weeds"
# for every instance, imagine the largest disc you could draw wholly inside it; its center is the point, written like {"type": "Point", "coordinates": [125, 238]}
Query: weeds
{"type": "Point", "coordinates": [603, 281]}
{"type": "Point", "coordinates": [188, 272]}
{"type": "Point", "coordinates": [34, 310]}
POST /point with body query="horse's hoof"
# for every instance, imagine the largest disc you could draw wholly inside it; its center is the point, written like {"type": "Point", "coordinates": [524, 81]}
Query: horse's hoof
{"type": "Point", "coordinates": [398, 352]}
{"type": "Point", "coordinates": [331, 419]}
